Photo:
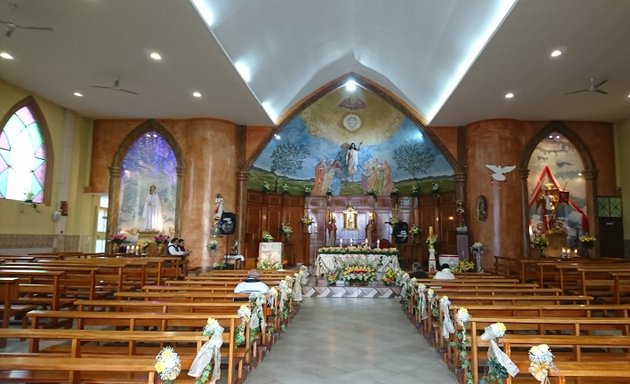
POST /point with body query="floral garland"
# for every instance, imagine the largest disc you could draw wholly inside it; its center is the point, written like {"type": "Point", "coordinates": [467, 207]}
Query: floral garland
{"type": "Point", "coordinates": [357, 250]}
{"type": "Point", "coordinates": [168, 365]}
{"type": "Point", "coordinates": [462, 317]}
{"type": "Point", "coordinates": [257, 319]}
{"type": "Point", "coordinates": [422, 301]}
{"type": "Point", "coordinates": [540, 362]}
{"type": "Point", "coordinates": [208, 359]}
{"type": "Point", "coordinates": [268, 265]}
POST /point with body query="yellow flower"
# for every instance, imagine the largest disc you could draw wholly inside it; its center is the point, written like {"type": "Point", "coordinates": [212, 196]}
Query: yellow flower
{"type": "Point", "coordinates": [501, 326]}
{"type": "Point", "coordinates": [159, 366]}
{"type": "Point", "coordinates": [211, 320]}
{"type": "Point", "coordinates": [166, 354]}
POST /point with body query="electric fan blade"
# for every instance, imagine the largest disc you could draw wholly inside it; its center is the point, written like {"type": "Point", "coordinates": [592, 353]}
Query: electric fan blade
{"type": "Point", "coordinates": [600, 84]}
{"type": "Point", "coordinates": [600, 91]}
{"type": "Point", "coordinates": [126, 91]}
{"type": "Point", "coordinates": [574, 92]}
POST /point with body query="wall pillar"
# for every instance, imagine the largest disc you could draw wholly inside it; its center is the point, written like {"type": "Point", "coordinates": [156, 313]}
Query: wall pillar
{"type": "Point", "coordinates": [590, 178]}
{"type": "Point", "coordinates": [241, 201]}
{"type": "Point", "coordinates": [114, 200]}
{"type": "Point", "coordinates": [524, 175]}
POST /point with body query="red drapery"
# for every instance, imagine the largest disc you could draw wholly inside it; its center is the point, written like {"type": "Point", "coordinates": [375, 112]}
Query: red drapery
{"type": "Point", "coordinates": [546, 172]}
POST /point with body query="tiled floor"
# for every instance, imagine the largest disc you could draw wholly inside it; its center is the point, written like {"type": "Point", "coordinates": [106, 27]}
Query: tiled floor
{"type": "Point", "coordinates": [351, 341]}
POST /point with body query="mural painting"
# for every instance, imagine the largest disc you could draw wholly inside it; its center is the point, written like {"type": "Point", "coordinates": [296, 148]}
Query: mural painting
{"type": "Point", "coordinates": [351, 144]}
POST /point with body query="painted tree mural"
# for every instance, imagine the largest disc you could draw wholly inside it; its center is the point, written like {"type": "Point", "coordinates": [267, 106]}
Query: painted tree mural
{"type": "Point", "coordinates": [287, 159]}
{"type": "Point", "coordinates": [414, 158]}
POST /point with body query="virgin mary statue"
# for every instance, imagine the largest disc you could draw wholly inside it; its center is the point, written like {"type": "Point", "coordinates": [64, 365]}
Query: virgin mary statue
{"type": "Point", "coordinates": [152, 212]}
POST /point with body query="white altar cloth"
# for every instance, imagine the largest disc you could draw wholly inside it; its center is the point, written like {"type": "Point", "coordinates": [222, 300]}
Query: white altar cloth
{"type": "Point", "coordinates": [330, 262]}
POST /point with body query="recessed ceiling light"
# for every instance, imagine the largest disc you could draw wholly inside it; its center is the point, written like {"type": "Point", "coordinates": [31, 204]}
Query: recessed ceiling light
{"type": "Point", "coordinates": [78, 94]}
{"type": "Point", "coordinates": [276, 136]}
{"type": "Point", "coordinates": [6, 55]}
{"type": "Point", "coordinates": [351, 85]}
{"type": "Point", "coordinates": [197, 94]}
{"type": "Point", "coordinates": [555, 53]}
{"type": "Point", "coordinates": [155, 56]}
{"type": "Point", "coordinates": [628, 95]}
{"type": "Point", "coordinates": [509, 95]}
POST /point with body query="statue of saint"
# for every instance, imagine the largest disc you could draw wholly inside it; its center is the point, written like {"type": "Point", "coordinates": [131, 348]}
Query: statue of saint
{"type": "Point", "coordinates": [152, 211]}
{"type": "Point", "coordinates": [550, 203]}
{"type": "Point", "coordinates": [218, 212]}
{"type": "Point", "coordinates": [331, 228]}
{"type": "Point", "coordinates": [370, 229]}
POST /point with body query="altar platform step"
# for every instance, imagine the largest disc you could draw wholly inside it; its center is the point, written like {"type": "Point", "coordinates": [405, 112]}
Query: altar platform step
{"type": "Point", "coordinates": [351, 292]}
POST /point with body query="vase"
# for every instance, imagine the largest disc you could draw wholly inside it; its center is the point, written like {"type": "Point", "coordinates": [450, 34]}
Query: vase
{"type": "Point", "coordinates": [542, 252]}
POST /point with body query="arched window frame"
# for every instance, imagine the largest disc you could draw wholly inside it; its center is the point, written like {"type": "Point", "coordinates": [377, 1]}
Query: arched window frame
{"type": "Point", "coordinates": [30, 103]}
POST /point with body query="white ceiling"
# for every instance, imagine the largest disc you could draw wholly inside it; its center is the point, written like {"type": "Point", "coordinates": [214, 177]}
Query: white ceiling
{"type": "Point", "coordinates": [414, 48]}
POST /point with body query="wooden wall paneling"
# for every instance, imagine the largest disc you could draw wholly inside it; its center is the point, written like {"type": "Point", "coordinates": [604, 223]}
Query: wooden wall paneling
{"type": "Point", "coordinates": [253, 229]}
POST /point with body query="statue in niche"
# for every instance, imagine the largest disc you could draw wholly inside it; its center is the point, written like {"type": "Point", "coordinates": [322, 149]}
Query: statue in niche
{"type": "Point", "coordinates": [349, 218]}
{"type": "Point", "coordinates": [331, 228]}
{"type": "Point", "coordinates": [152, 211]}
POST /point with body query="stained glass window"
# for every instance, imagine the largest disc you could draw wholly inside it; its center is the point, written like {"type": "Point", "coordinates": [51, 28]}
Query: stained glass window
{"type": "Point", "coordinates": [22, 158]}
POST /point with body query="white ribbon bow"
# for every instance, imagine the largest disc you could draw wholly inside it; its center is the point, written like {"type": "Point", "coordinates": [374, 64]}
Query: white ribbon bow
{"type": "Point", "coordinates": [423, 304]}
{"type": "Point", "coordinates": [211, 349]}
{"type": "Point", "coordinates": [297, 289]}
{"type": "Point", "coordinates": [494, 351]}
{"type": "Point", "coordinates": [257, 319]}
{"type": "Point", "coordinates": [447, 324]}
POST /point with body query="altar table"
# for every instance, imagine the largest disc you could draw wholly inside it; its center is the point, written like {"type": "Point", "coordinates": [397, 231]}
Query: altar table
{"type": "Point", "coordinates": [327, 262]}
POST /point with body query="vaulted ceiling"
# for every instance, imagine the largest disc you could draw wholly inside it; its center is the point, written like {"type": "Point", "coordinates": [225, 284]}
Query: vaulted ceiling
{"type": "Point", "coordinates": [451, 61]}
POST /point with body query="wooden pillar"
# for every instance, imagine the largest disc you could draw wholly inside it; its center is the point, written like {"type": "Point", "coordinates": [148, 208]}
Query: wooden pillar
{"type": "Point", "coordinates": [178, 199]}
{"type": "Point", "coordinates": [590, 178]}
{"type": "Point", "coordinates": [241, 188]}
{"type": "Point", "coordinates": [114, 200]}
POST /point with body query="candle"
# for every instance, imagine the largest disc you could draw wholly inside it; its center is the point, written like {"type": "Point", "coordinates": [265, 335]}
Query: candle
{"type": "Point", "coordinates": [378, 243]}
{"type": "Point", "coordinates": [351, 242]}
{"type": "Point", "coordinates": [341, 242]}
{"type": "Point", "coordinates": [366, 243]}
{"type": "Point", "coordinates": [575, 252]}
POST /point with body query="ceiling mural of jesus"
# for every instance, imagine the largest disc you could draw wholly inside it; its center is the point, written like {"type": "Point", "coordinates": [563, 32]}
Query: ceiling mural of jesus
{"type": "Point", "coordinates": [350, 144]}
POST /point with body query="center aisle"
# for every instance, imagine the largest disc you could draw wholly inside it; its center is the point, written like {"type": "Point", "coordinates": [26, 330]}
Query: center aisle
{"type": "Point", "coordinates": [351, 341]}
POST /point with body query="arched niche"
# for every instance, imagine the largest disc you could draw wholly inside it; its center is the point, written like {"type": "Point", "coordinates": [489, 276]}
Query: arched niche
{"type": "Point", "coordinates": [116, 174]}
{"type": "Point", "coordinates": [559, 158]}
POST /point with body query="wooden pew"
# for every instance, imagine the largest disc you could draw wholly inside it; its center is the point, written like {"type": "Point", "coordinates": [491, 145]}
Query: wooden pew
{"type": "Point", "coordinates": [573, 326]}
{"type": "Point", "coordinates": [36, 275]}
{"type": "Point", "coordinates": [26, 369]}
{"type": "Point", "coordinates": [182, 296]}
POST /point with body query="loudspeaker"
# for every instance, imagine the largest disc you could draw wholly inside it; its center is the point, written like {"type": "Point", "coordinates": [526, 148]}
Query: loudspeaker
{"type": "Point", "coordinates": [228, 223]}
{"type": "Point", "coordinates": [401, 232]}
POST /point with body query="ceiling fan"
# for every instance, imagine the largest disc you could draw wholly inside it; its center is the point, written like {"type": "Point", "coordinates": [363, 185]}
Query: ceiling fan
{"type": "Point", "coordinates": [116, 87]}
{"type": "Point", "coordinates": [10, 26]}
{"type": "Point", "coordinates": [593, 88]}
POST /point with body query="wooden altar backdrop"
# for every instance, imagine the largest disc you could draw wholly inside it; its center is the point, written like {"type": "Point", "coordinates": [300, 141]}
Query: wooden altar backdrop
{"type": "Point", "coordinates": [267, 212]}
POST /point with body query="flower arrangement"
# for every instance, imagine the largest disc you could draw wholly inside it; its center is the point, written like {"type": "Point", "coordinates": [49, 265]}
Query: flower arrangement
{"type": "Point", "coordinates": [285, 189]}
{"type": "Point", "coordinates": [332, 277]}
{"type": "Point", "coordinates": [168, 365]}
{"type": "Point", "coordinates": [161, 239]}
{"type": "Point", "coordinates": [118, 238]}
{"type": "Point", "coordinates": [329, 191]}
{"type": "Point", "coordinates": [415, 190]}
{"type": "Point", "coordinates": [393, 221]}
{"type": "Point", "coordinates": [432, 240]}
{"type": "Point", "coordinates": [463, 266]}
{"type": "Point", "coordinates": [266, 187]}
{"type": "Point", "coordinates": [587, 241]}
{"type": "Point", "coordinates": [213, 246]}
{"type": "Point", "coordinates": [142, 244]}
{"type": "Point", "coordinates": [394, 192]}
{"type": "Point", "coordinates": [266, 237]}
{"type": "Point", "coordinates": [267, 265]}
{"type": "Point", "coordinates": [286, 229]}
{"type": "Point", "coordinates": [307, 190]}
{"type": "Point", "coordinates": [477, 247]}
{"type": "Point", "coordinates": [245, 313]}
{"type": "Point", "coordinates": [462, 317]}
{"type": "Point", "coordinates": [540, 241]}
{"type": "Point", "coordinates": [390, 277]}
{"type": "Point", "coordinates": [414, 230]}
{"type": "Point", "coordinates": [435, 188]}
{"type": "Point", "coordinates": [218, 265]}
{"type": "Point", "coordinates": [307, 220]}
{"type": "Point", "coordinates": [540, 361]}
{"type": "Point", "coordinates": [358, 272]}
